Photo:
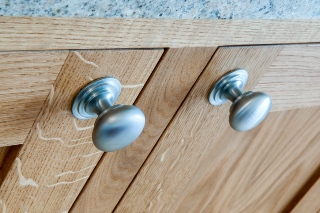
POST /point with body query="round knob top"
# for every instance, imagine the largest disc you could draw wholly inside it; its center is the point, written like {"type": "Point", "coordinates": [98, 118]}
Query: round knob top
{"type": "Point", "coordinates": [248, 110]}
{"type": "Point", "coordinates": [117, 127]}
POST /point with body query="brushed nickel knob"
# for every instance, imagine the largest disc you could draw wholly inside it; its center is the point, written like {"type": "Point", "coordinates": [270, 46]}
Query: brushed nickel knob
{"type": "Point", "coordinates": [248, 109]}
{"type": "Point", "coordinates": [117, 126]}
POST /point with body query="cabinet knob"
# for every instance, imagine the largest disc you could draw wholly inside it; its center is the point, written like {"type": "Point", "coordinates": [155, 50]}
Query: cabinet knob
{"type": "Point", "coordinates": [117, 126]}
{"type": "Point", "coordinates": [248, 109]}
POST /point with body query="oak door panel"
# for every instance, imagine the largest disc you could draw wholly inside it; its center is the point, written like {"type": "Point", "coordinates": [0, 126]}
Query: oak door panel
{"type": "Point", "coordinates": [293, 79]}
{"type": "Point", "coordinates": [58, 155]}
{"type": "Point", "coordinates": [26, 80]}
{"type": "Point", "coordinates": [193, 134]}
{"type": "Point", "coordinates": [161, 97]}
{"type": "Point", "coordinates": [201, 165]}
{"type": "Point", "coordinates": [261, 170]}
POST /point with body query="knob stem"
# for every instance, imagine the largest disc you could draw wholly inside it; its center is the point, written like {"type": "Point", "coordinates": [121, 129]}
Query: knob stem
{"type": "Point", "coordinates": [100, 103]}
{"type": "Point", "coordinates": [231, 92]}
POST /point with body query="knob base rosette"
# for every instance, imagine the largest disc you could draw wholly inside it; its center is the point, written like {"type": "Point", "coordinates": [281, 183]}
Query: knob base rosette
{"type": "Point", "coordinates": [84, 104]}
{"type": "Point", "coordinates": [237, 78]}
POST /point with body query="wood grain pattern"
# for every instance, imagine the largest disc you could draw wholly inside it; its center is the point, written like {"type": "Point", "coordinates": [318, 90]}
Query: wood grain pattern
{"type": "Point", "coordinates": [183, 147]}
{"type": "Point", "coordinates": [310, 202]}
{"type": "Point", "coordinates": [25, 33]}
{"type": "Point", "coordinates": [58, 155]}
{"type": "Point", "coordinates": [160, 99]}
{"type": "Point", "coordinates": [26, 79]}
{"type": "Point", "coordinates": [257, 171]}
{"type": "Point", "coordinates": [293, 79]}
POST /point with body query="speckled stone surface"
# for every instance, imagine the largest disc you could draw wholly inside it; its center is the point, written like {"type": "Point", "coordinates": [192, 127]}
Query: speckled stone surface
{"type": "Point", "coordinates": [174, 9]}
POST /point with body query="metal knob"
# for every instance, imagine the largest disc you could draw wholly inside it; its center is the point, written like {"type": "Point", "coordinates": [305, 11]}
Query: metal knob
{"type": "Point", "coordinates": [117, 126]}
{"type": "Point", "coordinates": [248, 109]}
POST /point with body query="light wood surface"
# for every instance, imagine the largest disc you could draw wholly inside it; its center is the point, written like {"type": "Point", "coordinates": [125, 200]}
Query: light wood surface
{"type": "Point", "coordinates": [293, 79]}
{"type": "Point", "coordinates": [39, 33]}
{"type": "Point", "coordinates": [26, 79]}
{"type": "Point", "coordinates": [160, 99]}
{"type": "Point", "coordinates": [310, 202]}
{"type": "Point", "coordinates": [193, 134]}
{"type": "Point", "coordinates": [258, 171]}
{"type": "Point", "coordinates": [58, 156]}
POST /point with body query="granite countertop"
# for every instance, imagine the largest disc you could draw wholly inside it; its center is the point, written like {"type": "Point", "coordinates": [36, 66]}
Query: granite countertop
{"type": "Point", "coordinates": [169, 9]}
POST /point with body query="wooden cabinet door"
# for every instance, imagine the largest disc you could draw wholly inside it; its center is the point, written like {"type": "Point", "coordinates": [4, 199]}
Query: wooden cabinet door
{"type": "Point", "coordinates": [57, 155]}
{"type": "Point", "coordinates": [201, 165]}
